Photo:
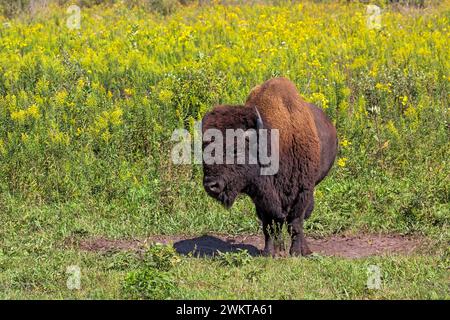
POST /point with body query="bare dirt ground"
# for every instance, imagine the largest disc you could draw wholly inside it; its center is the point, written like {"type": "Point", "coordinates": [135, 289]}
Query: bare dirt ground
{"type": "Point", "coordinates": [357, 246]}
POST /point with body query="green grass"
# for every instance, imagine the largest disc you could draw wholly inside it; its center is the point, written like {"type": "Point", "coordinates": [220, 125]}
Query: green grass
{"type": "Point", "coordinates": [35, 254]}
{"type": "Point", "coordinates": [103, 277]}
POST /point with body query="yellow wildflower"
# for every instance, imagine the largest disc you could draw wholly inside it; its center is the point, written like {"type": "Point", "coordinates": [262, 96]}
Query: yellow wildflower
{"type": "Point", "coordinates": [58, 137]}
{"type": "Point", "coordinates": [404, 100]}
{"type": "Point", "coordinates": [165, 95]}
{"type": "Point", "coordinates": [345, 143]}
{"type": "Point", "coordinates": [116, 116]}
{"type": "Point", "coordinates": [33, 111]}
{"type": "Point", "coordinates": [106, 136]}
{"type": "Point", "coordinates": [342, 162]}
{"type": "Point", "coordinates": [24, 137]}
{"type": "Point", "coordinates": [19, 116]}
{"type": "Point", "coordinates": [410, 112]}
{"type": "Point", "coordinates": [319, 98]}
{"type": "Point", "coordinates": [81, 83]}
{"type": "Point", "coordinates": [384, 87]}
{"type": "Point", "coordinates": [2, 147]}
{"type": "Point", "coordinates": [390, 126]}
{"type": "Point", "coordinates": [60, 97]}
{"type": "Point", "coordinates": [128, 92]}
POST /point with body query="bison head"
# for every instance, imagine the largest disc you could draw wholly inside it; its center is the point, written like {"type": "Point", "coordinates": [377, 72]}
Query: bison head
{"type": "Point", "coordinates": [230, 151]}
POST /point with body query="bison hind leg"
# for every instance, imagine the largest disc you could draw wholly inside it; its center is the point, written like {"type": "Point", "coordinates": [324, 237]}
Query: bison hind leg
{"type": "Point", "coordinates": [299, 247]}
{"type": "Point", "coordinates": [274, 242]}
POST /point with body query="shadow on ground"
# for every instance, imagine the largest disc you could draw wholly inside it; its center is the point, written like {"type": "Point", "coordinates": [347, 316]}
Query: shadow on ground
{"type": "Point", "coordinates": [347, 246]}
{"type": "Point", "coordinates": [205, 246]}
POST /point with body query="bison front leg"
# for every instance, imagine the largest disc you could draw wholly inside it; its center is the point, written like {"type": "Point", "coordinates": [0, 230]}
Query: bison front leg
{"type": "Point", "coordinates": [269, 249]}
{"type": "Point", "coordinates": [273, 237]}
{"type": "Point", "coordinates": [277, 234]}
{"type": "Point", "coordinates": [295, 227]}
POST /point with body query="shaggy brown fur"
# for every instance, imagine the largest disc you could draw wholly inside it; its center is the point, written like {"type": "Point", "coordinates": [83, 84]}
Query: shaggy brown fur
{"type": "Point", "coordinates": [307, 147]}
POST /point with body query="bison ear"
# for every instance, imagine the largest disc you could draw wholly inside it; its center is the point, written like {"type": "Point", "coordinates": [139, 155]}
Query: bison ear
{"type": "Point", "coordinates": [259, 122]}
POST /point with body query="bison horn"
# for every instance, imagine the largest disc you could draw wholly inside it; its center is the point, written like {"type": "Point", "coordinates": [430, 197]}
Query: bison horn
{"type": "Point", "coordinates": [259, 122]}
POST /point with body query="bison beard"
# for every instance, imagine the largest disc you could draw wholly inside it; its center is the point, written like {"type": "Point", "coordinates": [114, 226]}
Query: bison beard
{"type": "Point", "coordinates": [307, 150]}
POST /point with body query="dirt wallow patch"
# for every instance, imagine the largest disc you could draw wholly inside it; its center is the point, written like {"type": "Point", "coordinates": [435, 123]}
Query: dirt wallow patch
{"type": "Point", "coordinates": [357, 246]}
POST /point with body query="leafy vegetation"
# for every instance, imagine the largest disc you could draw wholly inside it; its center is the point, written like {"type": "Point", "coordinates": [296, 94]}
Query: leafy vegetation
{"type": "Point", "coordinates": [149, 284]}
{"type": "Point", "coordinates": [161, 257]}
{"type": "Point", "coordinates": [234, 259]}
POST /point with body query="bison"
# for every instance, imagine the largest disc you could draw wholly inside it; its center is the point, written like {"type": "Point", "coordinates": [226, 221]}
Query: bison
{"type": "Point", "coordinates": [307, 147]}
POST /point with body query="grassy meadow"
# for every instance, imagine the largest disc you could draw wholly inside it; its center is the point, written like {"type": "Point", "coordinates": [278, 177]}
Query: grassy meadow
{"type": "Point", "coordinates": [89, 100]}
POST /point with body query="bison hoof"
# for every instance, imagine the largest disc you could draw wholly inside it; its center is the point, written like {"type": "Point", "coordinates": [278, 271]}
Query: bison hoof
{"type": "Point", "coordinates": [268, 253]}
{"type": "Point", "coordinates": [279, 247]}
{"type": "Point", "coordinates": [306, 251]}
{"type": "Point", "coordinates": [297, 252]}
